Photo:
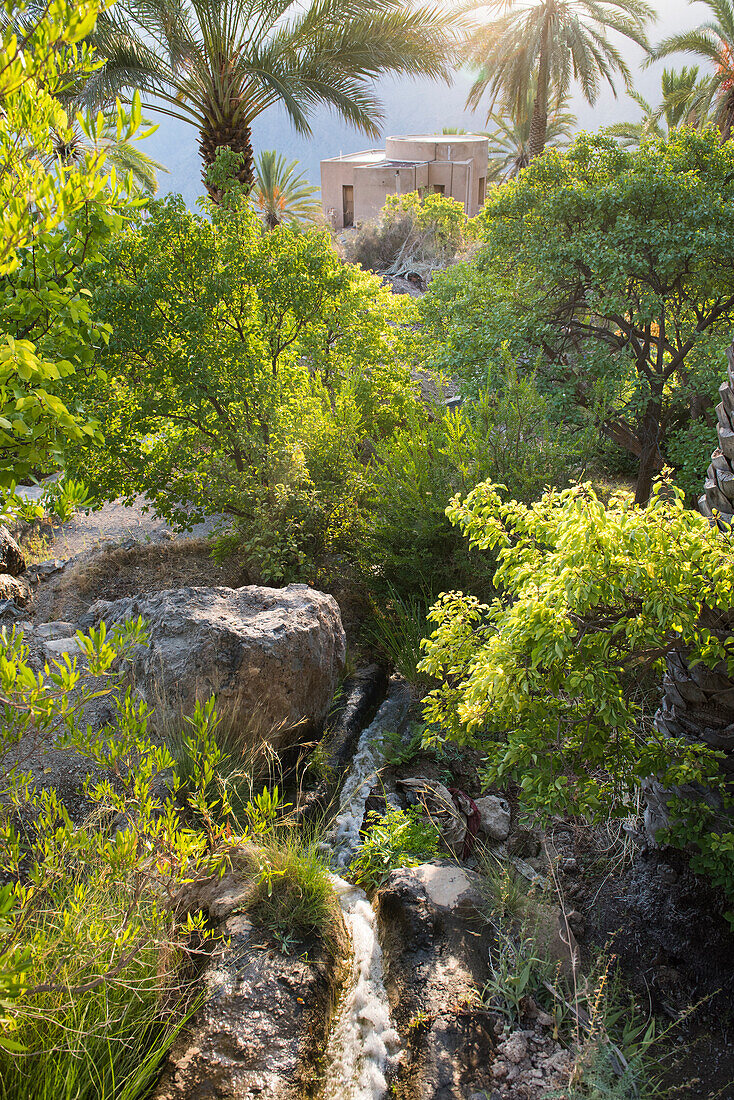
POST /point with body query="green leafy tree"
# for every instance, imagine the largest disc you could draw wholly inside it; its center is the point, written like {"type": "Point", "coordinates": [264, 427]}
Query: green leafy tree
{"type": "Point", "coordinates": [587, 597]}
{"type": "Point", "coordinates": [609, 272]}
{"type": "Point", "coordinates": [219, 65]}
{"type": "Point", "coordinates": [505, 433]}
{"type": "Point", "coordinates": [713, 41]}
{"type": "Point", "coordinates": [246, 372]}
{"type": "Point", "coordinates": [281, 193]}
{"type": "Point", "coordinates": [552, 42]}
{"type": "Point", "coordinates": [53, 218]}
{"type": "Point", "coordinates": [679, 106]}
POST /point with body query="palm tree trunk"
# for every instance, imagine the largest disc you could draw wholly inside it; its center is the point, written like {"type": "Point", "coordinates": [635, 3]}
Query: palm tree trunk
{"type": "Point", "coordinates": [232, 135]}
{"type": "Point", "coordinates": [698, 702]}
{"type": "Point", "coordinates": [727, 117]}
{"type": "Point", "coordinates": [539, 120]}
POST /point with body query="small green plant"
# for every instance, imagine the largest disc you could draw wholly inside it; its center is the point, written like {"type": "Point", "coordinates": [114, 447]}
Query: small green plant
{"type": "Point", "coordinates": [399, 838]}
{"type": "Point", "coordinates": [65, 497]}
{"type": "Point", "coordinates": [517, 973]}
{"type": "Point", "coordinates": [398, 628]}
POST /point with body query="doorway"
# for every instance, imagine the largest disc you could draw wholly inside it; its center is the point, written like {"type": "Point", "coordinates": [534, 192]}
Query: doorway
{"type": "Point", "coordinates": [348, 205]}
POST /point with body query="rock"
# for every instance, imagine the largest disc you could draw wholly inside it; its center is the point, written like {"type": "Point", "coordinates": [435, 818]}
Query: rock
{"type": "Point", "coordinates": [261, 1029]}
{"type": "Point", "coordinates": [12, 558]}
{"type": "Point", "coordinates": [272, 656]}
{"type": "Point", "coordinates": [514, 1048]}
{"type": "Point", "coordinates": [58, 648]}
{"type": "Point", "coordinates": [11, 588]}
{"type": "Point", "coordinates": [44, 569]}
{"type": "Point", "coordinates": [495, 815]}
{"type": "Point", "coordinates": [435, 955]}
{"type": "Point", "coordinates": [50, 632]}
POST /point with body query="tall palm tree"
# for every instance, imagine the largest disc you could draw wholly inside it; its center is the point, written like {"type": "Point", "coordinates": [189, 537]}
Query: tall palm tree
{"type": "Point", "coordinates": [509, 142]}
{"type": "Point", "coordinates": [555, 41]}
{"type": "Point", "coordinates": [281, 194]}
{"type": "Point", "coordinates": [680, 105]}
{"type": "Point", "coordinates": [218, 64]}
{"type": "Point", "coordinates": [713, 41]}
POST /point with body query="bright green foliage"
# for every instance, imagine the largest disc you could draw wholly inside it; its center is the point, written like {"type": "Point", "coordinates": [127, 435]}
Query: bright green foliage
{"type": "Point", "coordinates": [90, 938]}
{"type": "Point", "coordinates": [55, 216]}
{"type": "Point", "coordinates": [246, 370]}
{"type": "Point", "coordinates": [399, 838]}
{"type": "Point", "coordinates": [505, 434]}
{"type": "Point", "coordinates": [612, 271]}
{"type": "Point", "coordinates": [588, 596]}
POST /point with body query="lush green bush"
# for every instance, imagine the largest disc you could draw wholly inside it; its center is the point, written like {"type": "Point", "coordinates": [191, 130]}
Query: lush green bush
{"type": "Point", "coordinates": [506, 434]}
{"type": "Point", "coordinates": [609, 272]}
{"type": "Point", "coordinates": [414, 233]}
{"type": "Point", "coordinates": [588, 596]}
{"type": "Point", "coordinates": [248, 374]}
{"type": "Point", "coordinates": [398, 838]}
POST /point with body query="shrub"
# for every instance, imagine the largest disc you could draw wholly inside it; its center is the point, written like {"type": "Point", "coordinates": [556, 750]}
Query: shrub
{"type": "Point", "coordinates": [398, 838]}
{"type": "Point", "coordinates": [609, 265]}
{"type": "Point", "coordinates": [90, 945]}
{"type": "Point", "coordinates": [248, 372]}
{"type": "Point", "coordinates": [415, 233]}
{"type": "Point", "coordinates": [588, 597]}
{"type": "Point", "coordinates": [410, 547]}
{"type": "Point", "coordinates": [55, 218]}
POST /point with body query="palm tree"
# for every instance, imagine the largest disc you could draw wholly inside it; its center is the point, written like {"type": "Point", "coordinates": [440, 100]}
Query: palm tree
{"type": "Point", "coordinates": [713, 41]}
{"type": "Point", "coordinates": [509, 142]}
{"type": "Point", "coordinates": [218, 64]}
{"type": "Point", "coordinates": [555, 41]}
{"type": "Point", "coordinates": [281, 193]}
{"type": "Point", "coordinates": [680, 105]}
{"type": "Point", "coordinates": [123, 155]}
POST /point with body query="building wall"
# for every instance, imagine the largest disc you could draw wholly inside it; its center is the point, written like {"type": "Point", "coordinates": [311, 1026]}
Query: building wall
{"type": "Point", "coordinates": [455, 164]}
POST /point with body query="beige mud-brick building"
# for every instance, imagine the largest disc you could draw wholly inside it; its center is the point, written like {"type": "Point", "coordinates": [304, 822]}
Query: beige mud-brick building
{"type": "Point", "coordinates": [354, 187]}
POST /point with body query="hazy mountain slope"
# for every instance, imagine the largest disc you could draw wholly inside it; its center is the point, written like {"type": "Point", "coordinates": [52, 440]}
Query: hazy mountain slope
{"type": "Point", "coordinates": [411, 107]}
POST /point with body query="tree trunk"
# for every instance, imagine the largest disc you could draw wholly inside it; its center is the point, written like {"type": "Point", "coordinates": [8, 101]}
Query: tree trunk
{"type": "Point", "coordinates": [233, 135]}
{"type": "Point", "coordinates": [650, 457]}
{"type": "Point", "coordinates": [727, 118]}
{"type": "Point", "coordinates": [539, 121]}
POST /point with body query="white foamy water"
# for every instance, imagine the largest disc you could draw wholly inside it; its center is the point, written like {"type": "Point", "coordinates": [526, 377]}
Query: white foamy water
{"type": "Point", "coordinates": [362, 1039]}
{"type": "Point", "coordinates": [365, 765]}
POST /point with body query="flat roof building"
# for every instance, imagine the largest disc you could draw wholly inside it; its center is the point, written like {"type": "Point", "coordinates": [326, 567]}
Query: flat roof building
{"type": "Point", "coordinates": [354, 187]}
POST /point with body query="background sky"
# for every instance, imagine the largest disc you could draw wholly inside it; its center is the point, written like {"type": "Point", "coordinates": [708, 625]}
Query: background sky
{"type": "Point", "coordinates": [410, 107]}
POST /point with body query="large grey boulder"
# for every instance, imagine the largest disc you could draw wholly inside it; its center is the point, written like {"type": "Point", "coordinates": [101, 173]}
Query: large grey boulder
{"type": "Point", "coordinates": [272, 656]}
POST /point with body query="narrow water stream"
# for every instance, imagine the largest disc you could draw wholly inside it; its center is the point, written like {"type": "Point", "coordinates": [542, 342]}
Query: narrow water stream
{"type": "Point", "coordinates": [362, 1039]}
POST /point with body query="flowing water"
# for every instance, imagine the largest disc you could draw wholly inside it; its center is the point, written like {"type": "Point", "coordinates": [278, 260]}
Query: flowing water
{"type": "Point", "coordinates": [362, 1040]}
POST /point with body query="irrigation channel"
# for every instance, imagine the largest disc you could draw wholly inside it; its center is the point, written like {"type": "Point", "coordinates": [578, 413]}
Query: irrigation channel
{"type": "Point", "coordinates": [363, 1041]}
